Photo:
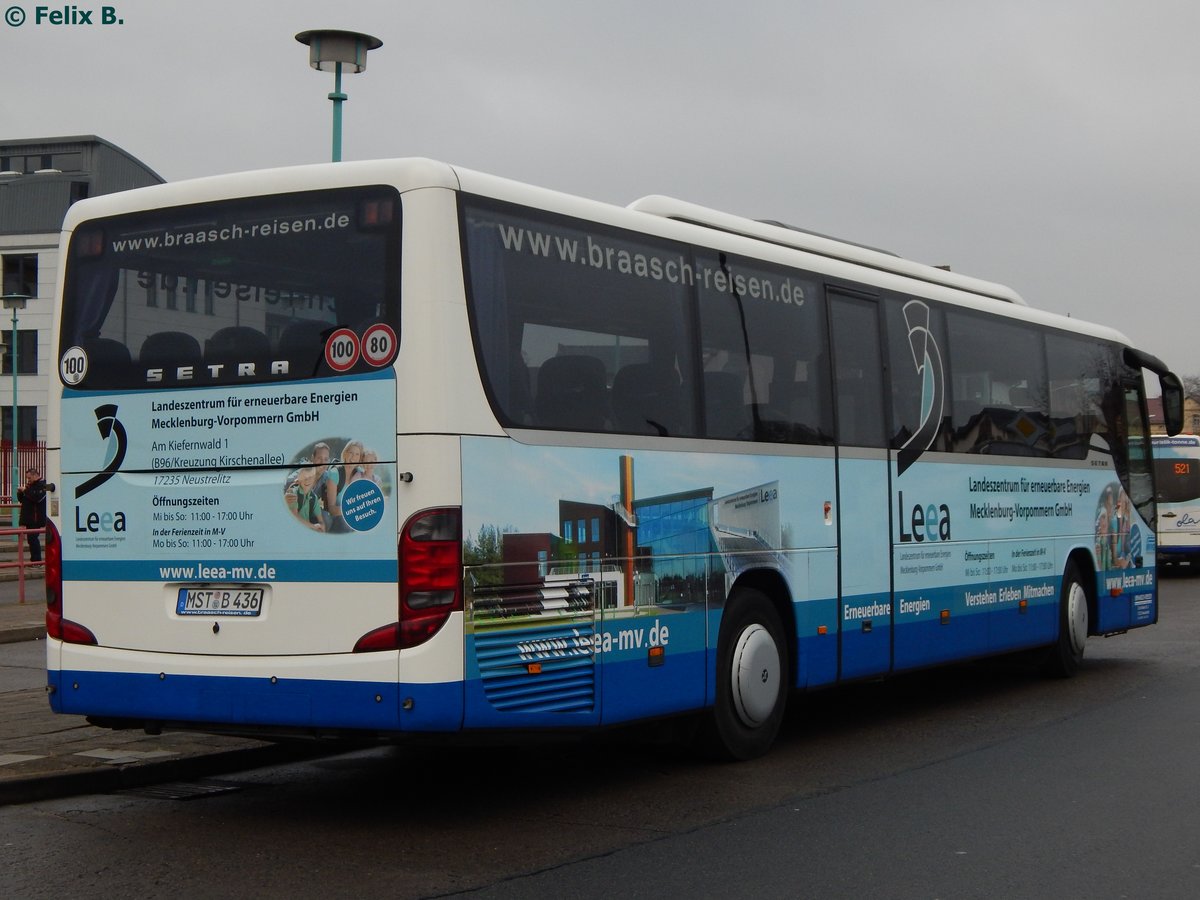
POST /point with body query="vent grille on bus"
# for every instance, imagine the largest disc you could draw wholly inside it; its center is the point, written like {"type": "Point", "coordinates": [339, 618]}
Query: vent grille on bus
{"type": "Point", "coordinates": [534, 646]}
{"type": "Point", "coordinates": [564, 679]}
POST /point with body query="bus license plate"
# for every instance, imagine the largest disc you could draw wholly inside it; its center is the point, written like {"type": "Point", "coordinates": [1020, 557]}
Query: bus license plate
{"type": "Point", "coordinates": [220, 601]}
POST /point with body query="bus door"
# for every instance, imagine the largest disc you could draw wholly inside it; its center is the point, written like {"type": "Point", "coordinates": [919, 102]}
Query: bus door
{"type": "Point", "coordinates": [1128, 597]}
{"type": "Point", "coordinates": [863, 517]}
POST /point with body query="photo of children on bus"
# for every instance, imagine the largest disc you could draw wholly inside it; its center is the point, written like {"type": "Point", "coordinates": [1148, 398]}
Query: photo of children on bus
{"type": "Point", "coordinates": [1118, 538]}
{"type": "Point", "coordinates": [314, 489]}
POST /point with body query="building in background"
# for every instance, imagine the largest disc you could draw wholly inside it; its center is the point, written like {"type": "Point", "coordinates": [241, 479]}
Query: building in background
{"type": "Point", "coordinates": [39, 179]}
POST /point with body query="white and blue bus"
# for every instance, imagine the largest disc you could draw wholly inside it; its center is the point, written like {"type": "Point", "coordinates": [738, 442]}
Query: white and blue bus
{"type": "Point", "coordinates": [1177, 478]}
{"type": "Point", "coordinates": [395, 447]}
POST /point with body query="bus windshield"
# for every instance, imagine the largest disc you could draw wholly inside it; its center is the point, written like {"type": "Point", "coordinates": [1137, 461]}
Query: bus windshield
{"type": "Point", "coordinates": [231, 292]}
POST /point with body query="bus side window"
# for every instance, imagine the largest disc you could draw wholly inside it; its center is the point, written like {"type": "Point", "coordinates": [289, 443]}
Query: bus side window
{"type": "Point", "coordinates": [1000, 387]}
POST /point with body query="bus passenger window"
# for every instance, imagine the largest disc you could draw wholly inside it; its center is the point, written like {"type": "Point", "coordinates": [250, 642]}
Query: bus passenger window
{"type": "Point", "coordinates": [767, 323]}
{"type": "Point", "coordinates": [1000, 389]}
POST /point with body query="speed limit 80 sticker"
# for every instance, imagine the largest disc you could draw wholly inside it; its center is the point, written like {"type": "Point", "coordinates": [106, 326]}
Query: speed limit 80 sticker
{"type": "Point", "coordinates": [379, 344]}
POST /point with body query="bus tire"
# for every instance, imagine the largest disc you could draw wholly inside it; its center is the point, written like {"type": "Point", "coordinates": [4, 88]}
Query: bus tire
{"type": "Point", "coordinates": [1066, 653]}
{"type": "Point", "coordinates": [751, 689]}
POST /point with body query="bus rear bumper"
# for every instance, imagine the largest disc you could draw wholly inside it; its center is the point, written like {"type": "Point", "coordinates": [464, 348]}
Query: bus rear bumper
{"type": "Point", "coordinates": [151, 690]}
{"type": "Point", "coordinates": [1177, 552]}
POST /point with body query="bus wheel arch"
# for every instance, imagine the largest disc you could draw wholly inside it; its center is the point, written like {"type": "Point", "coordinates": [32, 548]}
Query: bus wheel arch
{"type": "Point", "coordinates": [1076, 617]}
{"type": "Point", "coordinates": [753, 677]}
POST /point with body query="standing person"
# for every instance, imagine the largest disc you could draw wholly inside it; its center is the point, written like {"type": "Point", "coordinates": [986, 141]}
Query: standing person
{"type": "Point", "coordinates": [328, 483]}
{"type": "Point", "coordinates": [351, 469]}
{"type": "Point", "coordinates": [33, 509]}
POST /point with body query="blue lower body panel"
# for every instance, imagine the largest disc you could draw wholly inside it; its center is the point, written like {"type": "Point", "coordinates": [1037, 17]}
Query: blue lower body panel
{"type": "Point", "coordinates": [251, 702]}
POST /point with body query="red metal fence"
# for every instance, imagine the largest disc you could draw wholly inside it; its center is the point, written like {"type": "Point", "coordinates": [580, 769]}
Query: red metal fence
{"type": "Point", "coordinates": [28, 454]}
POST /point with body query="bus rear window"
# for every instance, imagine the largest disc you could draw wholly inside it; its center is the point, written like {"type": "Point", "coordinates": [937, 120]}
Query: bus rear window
{"type": "Point", "coordinates": [242, 291]}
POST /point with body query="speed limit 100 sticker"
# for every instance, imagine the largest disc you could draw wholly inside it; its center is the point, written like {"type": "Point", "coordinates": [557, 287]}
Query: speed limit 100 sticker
{"type": "Point", "coordinates": [73, 366]}
{"type": "Point", "coordinates": [341, 350]}
{"type": "Point", "coordinates": [379, 344]}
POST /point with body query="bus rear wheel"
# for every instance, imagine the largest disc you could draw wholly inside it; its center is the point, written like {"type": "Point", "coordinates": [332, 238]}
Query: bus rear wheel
{"type": "Point", "coordinates": [1066, 653]}
{"type": "Point", "coordinates": [752, 667]}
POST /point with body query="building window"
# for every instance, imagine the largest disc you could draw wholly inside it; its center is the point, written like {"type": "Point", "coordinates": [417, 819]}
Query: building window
{"type": "Point", "coordinates": [26, 424]}
{"type": "Point", "coordinates": [20, 274]}
{"type": "Point", "coordinates": [543, 563]}
{"type": "Point", "coordinates": [29, 163]}
{"type": "Point", "coordinates": [27, 352]}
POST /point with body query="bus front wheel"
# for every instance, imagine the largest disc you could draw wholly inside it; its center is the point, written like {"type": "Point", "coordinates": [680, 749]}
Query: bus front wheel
{"type": "Point", "coordinates": [1066, 654]}
{"type": "Point", "coordinates": [752, 667]}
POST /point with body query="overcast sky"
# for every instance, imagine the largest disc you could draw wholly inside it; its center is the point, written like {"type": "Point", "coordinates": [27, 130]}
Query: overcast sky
{"type": "Point", "coordinates": [1050, 145]}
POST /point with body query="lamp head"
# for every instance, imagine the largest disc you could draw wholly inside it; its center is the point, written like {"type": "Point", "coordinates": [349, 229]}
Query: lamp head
{"type": "Point", "coordinates": [328, 46]}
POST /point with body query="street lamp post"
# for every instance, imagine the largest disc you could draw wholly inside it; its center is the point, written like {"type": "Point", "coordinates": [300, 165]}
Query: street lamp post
{"type": "Point", "coordinates": [330, 49]}
{"type": "Point", "coordinates": [14, 302]}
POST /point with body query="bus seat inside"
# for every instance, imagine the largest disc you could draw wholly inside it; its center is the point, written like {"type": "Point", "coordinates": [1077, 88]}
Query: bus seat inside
{"type": "Point", "coordinates": [572, 392]}
{"type": "Point", "coordinates": [170, 349]}
{"type": "Point", "coordinates": [646, 399]}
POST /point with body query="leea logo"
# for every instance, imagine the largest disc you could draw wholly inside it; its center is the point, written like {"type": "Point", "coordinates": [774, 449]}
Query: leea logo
{"type": "Point", "coordinates": [928, 522]}
{"type": "Point", "coordinates": [113, 433]}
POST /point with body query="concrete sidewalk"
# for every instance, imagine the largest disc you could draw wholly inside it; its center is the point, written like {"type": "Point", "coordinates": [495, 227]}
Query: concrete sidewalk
{"type": "Point", "coordinates": [44, 755]}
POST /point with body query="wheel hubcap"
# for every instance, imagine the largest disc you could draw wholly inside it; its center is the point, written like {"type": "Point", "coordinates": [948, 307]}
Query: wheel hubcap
{"type": "Point", "coordinates": [755, 675]}
{"type": "Point", "coordinates": [1077, 616]}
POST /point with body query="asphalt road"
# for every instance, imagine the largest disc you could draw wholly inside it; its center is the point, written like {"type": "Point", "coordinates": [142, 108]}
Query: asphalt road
{"type": "Point", "coordinates": [979, 781]}
{"type": "Point", "coordinates": [22, 666]}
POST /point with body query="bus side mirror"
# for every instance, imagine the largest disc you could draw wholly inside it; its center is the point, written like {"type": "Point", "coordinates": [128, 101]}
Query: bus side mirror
{"type": "Point", "coordinates": [1172, 402]}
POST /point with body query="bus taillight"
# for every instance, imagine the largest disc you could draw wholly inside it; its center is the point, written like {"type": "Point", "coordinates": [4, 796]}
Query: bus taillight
{"type": "Point", "coordinates": [56, 626]}
{"type": "Point", "coordinates": [430, 573]}
{"type": "Point", "coordinates": [430, 581]}
{"type": "Point", "coordinates": [53, 573]}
